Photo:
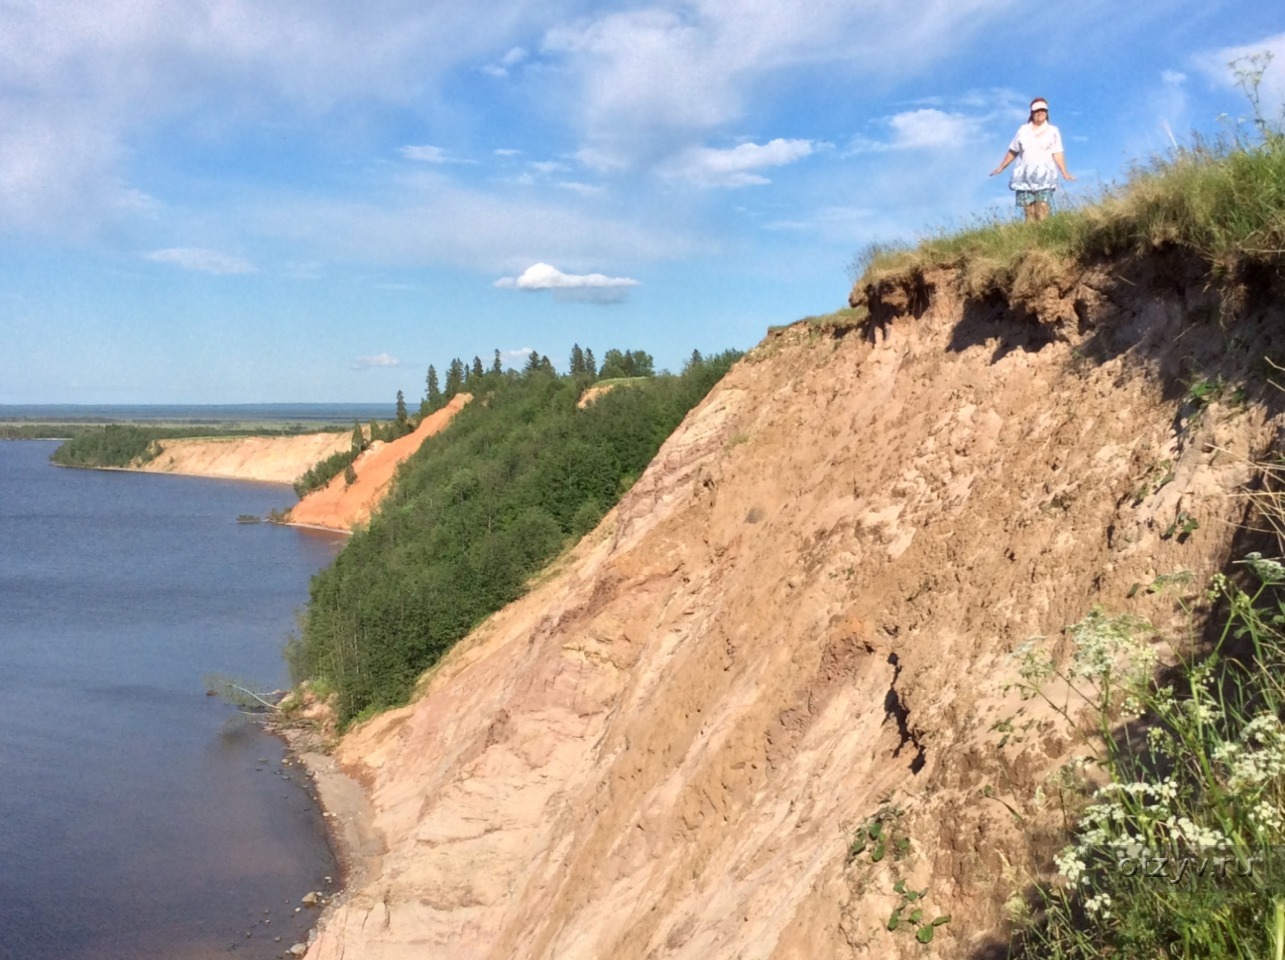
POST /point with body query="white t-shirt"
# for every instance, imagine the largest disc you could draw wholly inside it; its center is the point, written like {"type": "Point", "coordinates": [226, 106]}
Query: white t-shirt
{"type": "Point", "coordinates": [1034, 168]}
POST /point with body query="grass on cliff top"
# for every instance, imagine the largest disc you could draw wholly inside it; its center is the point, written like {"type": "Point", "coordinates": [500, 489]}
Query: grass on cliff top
{"type": "Point", "coordinates": [1223, 200]}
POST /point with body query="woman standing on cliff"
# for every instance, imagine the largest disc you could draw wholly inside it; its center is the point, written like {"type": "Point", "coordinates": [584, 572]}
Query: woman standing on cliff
{"type": "Point", "coordinates": [1037, 148]}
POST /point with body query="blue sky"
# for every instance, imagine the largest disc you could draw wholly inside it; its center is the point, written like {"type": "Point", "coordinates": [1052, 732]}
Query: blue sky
{"type": "Point", "coordinates": [223, 201]}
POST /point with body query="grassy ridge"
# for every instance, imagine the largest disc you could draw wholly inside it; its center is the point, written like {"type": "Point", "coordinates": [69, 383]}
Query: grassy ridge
{"type": "Point", "coordinates": [1221, 201]}
{"type": "Point", "coordinates": [518, 475]}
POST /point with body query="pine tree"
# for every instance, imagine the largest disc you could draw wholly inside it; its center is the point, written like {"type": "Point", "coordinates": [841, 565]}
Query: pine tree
{"type": "Point", "coordinates": [402, 416]}
{"type": "Point", "coordinates": [477, 372]}
{"type": "Point", "coordinates": [454, 378]}
{"type": "Point", "coordinates": [577, 360]}
{"type": "Point", "coordinates": [497, 367]}
{"type": "Point", "coordinates": [590, 364]}
{"type": "Point", "coordinates": [532, 364]}
{"type": "Point", "coordinates": [433, 398]}
{"type": "Point", "coordinates": [358, 439]}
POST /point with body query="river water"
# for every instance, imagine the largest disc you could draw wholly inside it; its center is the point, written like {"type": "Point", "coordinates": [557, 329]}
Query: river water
{"type": "Point", "coordinates": [140, 818]}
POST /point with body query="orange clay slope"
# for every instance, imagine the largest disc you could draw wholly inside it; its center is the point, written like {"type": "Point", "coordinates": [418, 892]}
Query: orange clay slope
{"type": "Point", "coordinates": [340, 505]}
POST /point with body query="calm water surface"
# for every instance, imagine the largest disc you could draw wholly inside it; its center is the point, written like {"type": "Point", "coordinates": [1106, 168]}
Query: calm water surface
{"type": "Point", "coordinates": [138, 817]}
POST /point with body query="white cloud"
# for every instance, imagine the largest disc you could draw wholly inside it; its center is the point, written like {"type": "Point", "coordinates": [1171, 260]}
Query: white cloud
{"type": "Point", "coordinates": [83, 82]}
{"type": "Point", "coordinates": [1217, 65]}
{"type": "Point", "coordinates": [640, 83]}
{"type": "Point", "coordinates": [506, 63]}
{"type": "Point", "coordinates": [584, 189]}
{"type": "Point", "coordinates": [376, 361]}
{"type": "Point", "coordinates": [430, 154]}
{"type": "Point", "coordinates": [735, 167]}
{"type": "Point", "coordinates": [202, 261]}
{"type": "Point", "coordinates": [926, 128]}
{"type": "Point", "coordinates": [516, 359]}
{"type": "Point", "coordinates": [589, 287]}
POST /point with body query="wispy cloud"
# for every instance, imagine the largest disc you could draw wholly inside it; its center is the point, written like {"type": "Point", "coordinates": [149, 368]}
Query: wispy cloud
{"type": "Point", "coordinates": [1217, 66]}
{"type": "Point", "coordinates": [644, 81]}
{"type": "Point", "coordinates": [588, 287]}
{"type": "Point", "coordinates": [506, 63]}
{"type": "Point", "coordinates": [737, 166]}
{"type": "Point", "coordinates": [926, 128]}
{"type": "Point", "coordinates": [375, 362]}
{"type": "Point", "coordinates": [430, 154]}
{"type": "Point", "coordinates": [202, 260]}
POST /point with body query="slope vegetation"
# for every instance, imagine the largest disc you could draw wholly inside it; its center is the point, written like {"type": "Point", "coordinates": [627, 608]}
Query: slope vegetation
{"type": "Point", "coordinates": [341, 505]}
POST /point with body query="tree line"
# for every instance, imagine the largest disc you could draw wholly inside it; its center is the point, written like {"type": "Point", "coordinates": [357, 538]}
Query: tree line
{"type": "Point", "coordinates": [479, 509]}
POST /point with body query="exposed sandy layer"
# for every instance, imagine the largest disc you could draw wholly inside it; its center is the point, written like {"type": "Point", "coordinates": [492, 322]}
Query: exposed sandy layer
{"type": "Point", "coordinates": [340, 505]}
{"type": "Point", "coordinates": [663, 751]}
{"type": "Point", "coordinates": [271, 459]}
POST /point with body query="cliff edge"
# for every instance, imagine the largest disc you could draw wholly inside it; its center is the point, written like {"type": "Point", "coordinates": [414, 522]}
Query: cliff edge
{"type": "Point", "coordinates": [802, 617]}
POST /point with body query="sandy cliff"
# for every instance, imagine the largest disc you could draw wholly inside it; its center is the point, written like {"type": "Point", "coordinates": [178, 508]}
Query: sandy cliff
{"type": "Point", "coordinates": [340, 505]}
{"type": "Point", "coordinates": [804, 611]}
{"type": "Point", "coordinates": [272, 459]}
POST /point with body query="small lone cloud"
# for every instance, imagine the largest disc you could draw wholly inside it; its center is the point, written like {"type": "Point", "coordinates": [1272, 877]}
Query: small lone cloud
{"type": "Point", "coordinates": [202, 261]}
{"type": "Point", "coordinates": [515, 359]}
{"type": "Point", "coordinates": [379, 360]}
{"type": "Point", "coordinates": [587, 288]}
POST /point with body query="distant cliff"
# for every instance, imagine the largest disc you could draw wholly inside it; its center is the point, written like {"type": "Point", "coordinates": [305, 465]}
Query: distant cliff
{"type": "Point", "coordinates": [271, 459]}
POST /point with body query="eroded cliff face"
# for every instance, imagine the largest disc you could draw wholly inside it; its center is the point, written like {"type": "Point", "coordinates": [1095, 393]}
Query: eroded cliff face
{"type": "Point", "coordinates": [267, 459]}
{"type": "Point", "coordinates": [803, 613]}
{"type": "Point", "coordinates": [340, 505]}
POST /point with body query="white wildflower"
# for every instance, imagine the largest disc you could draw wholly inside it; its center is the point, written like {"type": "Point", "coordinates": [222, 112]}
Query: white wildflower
{"type": "Point", "coordinates": [1070, 865]}
{"type": "Point", "coordinates": [1268, 571]}
{"type": "Point", "coordinates": [1098, 905]}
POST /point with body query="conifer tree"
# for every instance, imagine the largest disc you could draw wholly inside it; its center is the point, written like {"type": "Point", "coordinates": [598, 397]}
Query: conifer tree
{"type": "Point", "coordinates": [577, 360]}
{"type": "Point", "coordinates": [358, 439]}
{"type": "Point", "coordinates": [497, 367]}
{"type": "Point", "coordinates": [477, 372]}
{"type": "Point", "coordinates": [532, 364]}
{"type": "Point", "coordinates": [433, 398]}
{"type": "Point", "coordinates": [454, 378]}
{"type": "Point", "coordinates": [402, 416]}
{"type": "Point", "coordinates": [590, 364]}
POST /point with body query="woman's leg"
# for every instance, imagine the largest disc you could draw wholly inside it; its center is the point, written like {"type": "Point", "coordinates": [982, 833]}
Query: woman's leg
{"type": "Point", "coordinates": [1037, 211]}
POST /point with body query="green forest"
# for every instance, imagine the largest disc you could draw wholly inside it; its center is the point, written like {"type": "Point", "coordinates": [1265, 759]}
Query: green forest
{"type": "Point", "coordinates": [519, 475]}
